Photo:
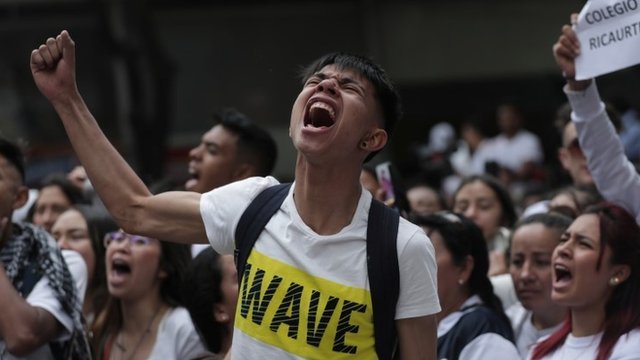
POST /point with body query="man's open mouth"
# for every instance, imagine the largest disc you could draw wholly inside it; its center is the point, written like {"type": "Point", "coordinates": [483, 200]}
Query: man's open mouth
{"type": "Point", "coordinates": [319, 114]}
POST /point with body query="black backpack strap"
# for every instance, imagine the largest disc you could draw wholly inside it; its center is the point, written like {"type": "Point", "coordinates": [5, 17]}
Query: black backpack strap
{"type": "Point", "coordinates": [384, 275]}
{"type": "Point", "coordinates": [253, 221]}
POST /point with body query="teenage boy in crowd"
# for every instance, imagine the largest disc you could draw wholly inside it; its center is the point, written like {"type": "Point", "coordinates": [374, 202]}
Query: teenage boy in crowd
{"type": "Point", "coordinates": [314, 243]}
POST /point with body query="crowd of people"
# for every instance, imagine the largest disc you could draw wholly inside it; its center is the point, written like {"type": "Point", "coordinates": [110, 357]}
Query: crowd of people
{"type": "Point", "coordinates": [97, 266]}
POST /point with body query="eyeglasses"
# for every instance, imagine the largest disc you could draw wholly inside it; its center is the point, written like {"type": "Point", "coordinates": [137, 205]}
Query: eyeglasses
{"type": "Point", "coordinates": [119, 237]}
{"type": "Point", "coordinates": [574, 148]}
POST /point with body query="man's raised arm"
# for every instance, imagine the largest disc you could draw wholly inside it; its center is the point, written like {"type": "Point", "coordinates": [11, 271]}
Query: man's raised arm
{"type": "Point", "coordinates": [173, 216]}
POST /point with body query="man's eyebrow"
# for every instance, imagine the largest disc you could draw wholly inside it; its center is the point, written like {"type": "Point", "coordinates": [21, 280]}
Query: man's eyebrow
{"type": "Point", "coordinates": [342, 80]}
{"type": "Point", "coordinates": [319, 75]}
{"type": "Point", "coordinates": [209, 143]}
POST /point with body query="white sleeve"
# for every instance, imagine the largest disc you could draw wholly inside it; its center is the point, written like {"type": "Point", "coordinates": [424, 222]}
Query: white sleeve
{"type": "Point", "coordinates": [44, 297]}
{"type": "Point", "coordinates": [489, 346]}
{"type": "Point", "coordinates": [222, 207]}
{"type": "Point", "coordinates": [615, 177]}
{"type": "Point", "coordinates": [418, 279]}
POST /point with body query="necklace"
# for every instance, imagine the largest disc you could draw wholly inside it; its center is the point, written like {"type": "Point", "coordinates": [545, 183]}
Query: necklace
{"type": "Point", "coordinates": [146, 332]}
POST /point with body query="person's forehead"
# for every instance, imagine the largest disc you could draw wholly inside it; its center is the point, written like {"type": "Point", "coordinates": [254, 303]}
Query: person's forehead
{"type": "Point", "coordinates": [343, 73]}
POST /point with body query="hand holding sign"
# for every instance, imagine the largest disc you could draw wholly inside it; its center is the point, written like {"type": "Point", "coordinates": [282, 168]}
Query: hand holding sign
{"type": "Point", "coordinates": [565, 51]}
{"type": "Point", "coordinates": [608, 31]}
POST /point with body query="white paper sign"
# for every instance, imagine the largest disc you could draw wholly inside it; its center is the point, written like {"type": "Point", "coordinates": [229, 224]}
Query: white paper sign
{"type": "Point", "coordinates": [609, 34]}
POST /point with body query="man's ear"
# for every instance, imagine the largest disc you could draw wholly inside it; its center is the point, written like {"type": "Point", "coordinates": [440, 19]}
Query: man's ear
{"type": "Point", "coordinates": [21, 197]}
{"type": "Point", "coordinates": [374, 141]}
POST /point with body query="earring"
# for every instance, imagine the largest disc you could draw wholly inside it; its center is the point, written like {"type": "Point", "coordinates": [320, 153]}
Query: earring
{"type": "Point", "coordinates": [614, 281]}
{"type": "Point", "coordinates": [460, 282]}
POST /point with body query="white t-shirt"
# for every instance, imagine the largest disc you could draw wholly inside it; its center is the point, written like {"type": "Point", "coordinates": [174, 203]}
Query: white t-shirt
{"type": "Point", "coordinates": [627, 347]}
{"type": "Point", "coordinates": [177, 337]}
{"type": "Point", "coordinates": [308, 294]}
{"type": "Point", "coordinates": [43, 296]}
{"type": "Point", "coordinates": [512, 153]}
{"type": "Point", "coordinates": [525, 334]}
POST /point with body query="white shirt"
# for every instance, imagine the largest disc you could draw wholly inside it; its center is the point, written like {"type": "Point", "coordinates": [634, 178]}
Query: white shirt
{"type": "Point", "coordinates": [525, 334]}
{"type": "Point", "coordinates": [312, 279]}
{"type": "Point", "coordinates": [627, 347]}
{"type": "Point", "coordinates": [177, 338]}
{"type": "Point", "coordinates": [512, 153]}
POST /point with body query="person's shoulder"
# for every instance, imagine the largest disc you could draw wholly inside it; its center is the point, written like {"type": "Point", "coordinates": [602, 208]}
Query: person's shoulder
{"type": "Point", "coordinates": [483, 319]}
{"type": "Point", "coordinates": [178, 316]}
{"type": "Point", "coordinates": [410, 234]}
{"type": "Point", "coordinates": [177, 323]}
{"type": "Point", "coordinates": [628, 344]}
{"type": "Point", "coordinates": [250, 186]}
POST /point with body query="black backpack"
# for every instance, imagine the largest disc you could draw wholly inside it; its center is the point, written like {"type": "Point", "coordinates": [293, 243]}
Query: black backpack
{"type": "Point", "coordinates": [382, 259]}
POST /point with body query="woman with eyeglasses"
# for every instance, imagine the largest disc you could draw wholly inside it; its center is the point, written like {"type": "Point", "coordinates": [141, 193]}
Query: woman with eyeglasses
{"type": "Point", "coordinates": [472, 324]}
{"type": "Point", "coordinates": [596, 274]}
{"type": "Point", "coordinates": [80, 230]}
{"type": "Point", "coordinates": [143, 318]}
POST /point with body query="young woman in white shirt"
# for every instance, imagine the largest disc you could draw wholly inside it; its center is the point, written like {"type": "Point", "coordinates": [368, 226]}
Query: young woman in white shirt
{"type": "Point", "coordinates": [597, 276]}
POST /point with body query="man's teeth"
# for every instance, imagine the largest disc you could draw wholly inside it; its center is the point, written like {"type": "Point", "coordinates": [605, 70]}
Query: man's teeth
{"type": "Point", "coordinates": [324, 106]}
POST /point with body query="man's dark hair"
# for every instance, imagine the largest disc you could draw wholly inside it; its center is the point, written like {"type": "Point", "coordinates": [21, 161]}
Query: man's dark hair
{"type": "Point", "coordinates": [14, 156]}
{"type": "Point", "coordinates": [386, 94]}
{"type": "Point", "coordinates": [255, 145]}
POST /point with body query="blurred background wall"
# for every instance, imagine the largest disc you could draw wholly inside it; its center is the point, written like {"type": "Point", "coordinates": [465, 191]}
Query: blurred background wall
{"type": "Point", "coordinates": [153, 72]}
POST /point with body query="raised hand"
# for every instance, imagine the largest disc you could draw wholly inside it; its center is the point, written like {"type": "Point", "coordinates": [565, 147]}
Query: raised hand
{"type": "Point", "coordinates": [565, 51]}
{"type": "Point", "coordinates": [53, 67]}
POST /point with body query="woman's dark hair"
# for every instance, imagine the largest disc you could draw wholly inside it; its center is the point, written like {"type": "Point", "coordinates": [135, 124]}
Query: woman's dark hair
{"type": "Point", "coordinates": [462, 238]}
{"type": "Point", "coordinates": [202, 291]}
{"type": "Point", "coordinates": [557, 222]}
{"type": "Point", "coordinates": [174, 261]}
{"type": "Point", "coordinates": [98, 226]}
{"type": "Point", "coordinates": [70, 191]}
{"type": "Point", "coordinates": [509, 215]}
{"type": "Point", "coordinates": [581, 196]}
{"type": "Point", "coordinates": [620, 232]}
